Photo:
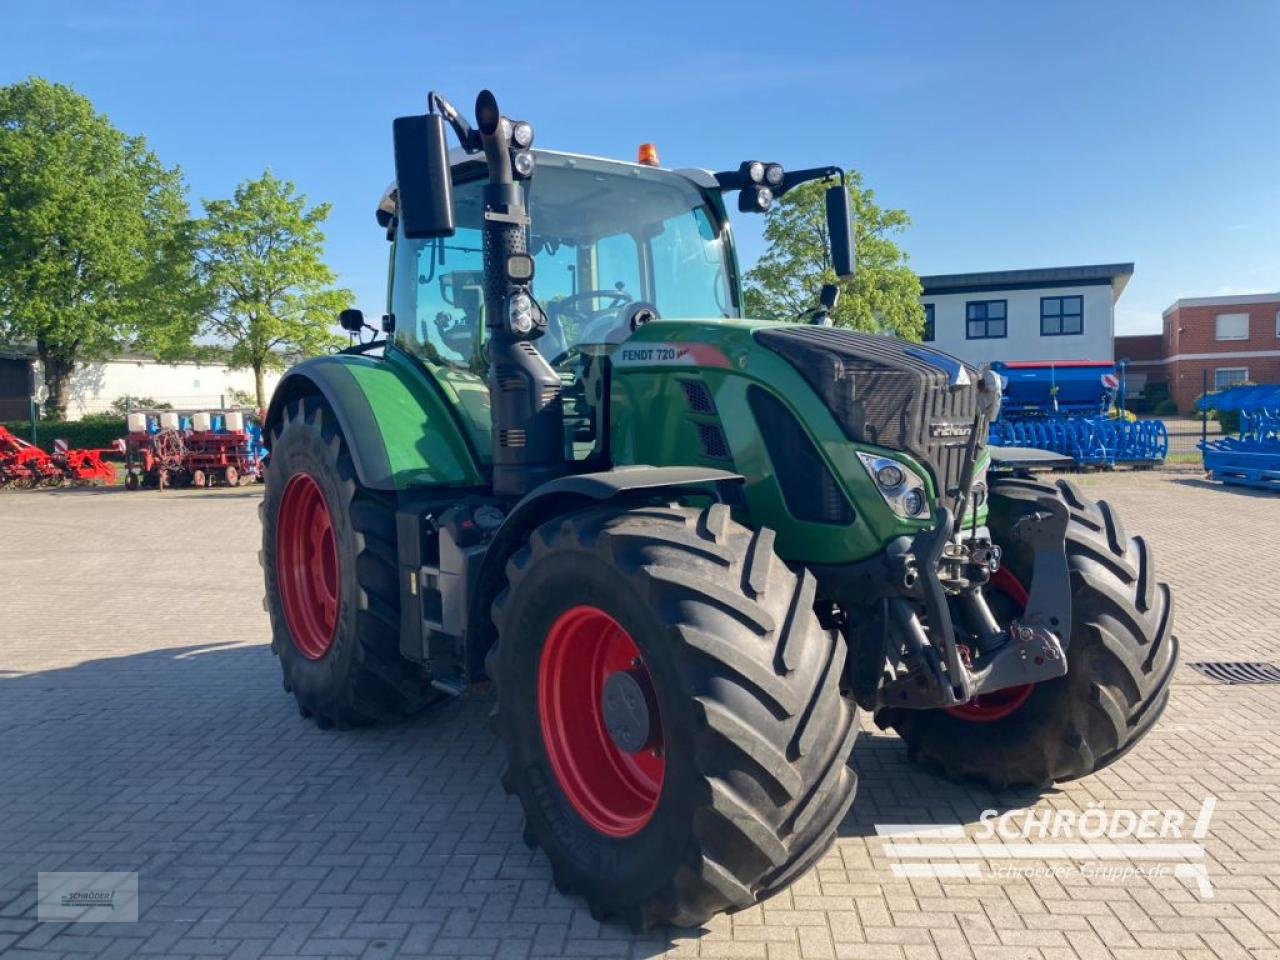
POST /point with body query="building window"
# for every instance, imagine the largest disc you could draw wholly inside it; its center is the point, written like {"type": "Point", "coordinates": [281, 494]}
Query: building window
{"type": "Point", "coordinates": [929, 331]}
{"type": "Point", "coordinates": [1061, 316]}
{"type": "Point", "coordinates": [1224, 377]}
{"type": "Point", "coordinates": [1232, 326]}
{"type": "Point", "coordinates": [986, 319]}
{"type": "Point", "coordinates": [1278, 324]}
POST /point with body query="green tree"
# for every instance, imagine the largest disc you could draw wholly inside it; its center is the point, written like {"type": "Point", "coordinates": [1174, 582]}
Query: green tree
{"type": "Point", "coordinates": [95, 239]}
{"type": "Point", "coordinates": [882, 297]}
{"type": "Point", "coordinates": [270, 292]}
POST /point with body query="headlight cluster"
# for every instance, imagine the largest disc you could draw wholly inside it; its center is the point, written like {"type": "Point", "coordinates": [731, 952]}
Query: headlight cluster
{"type": "Point", "coordinates": [902, 489]}
{"type": "Point", "coordinates": [761, 182]}
{"type": "Point", "coordinates": [522, 314]}
{"type": "Point", "coordinates": [519, 135]}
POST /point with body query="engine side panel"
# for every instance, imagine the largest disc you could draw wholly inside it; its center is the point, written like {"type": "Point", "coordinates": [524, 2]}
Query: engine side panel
{"type": "Point", "coordinates": [681, 394]}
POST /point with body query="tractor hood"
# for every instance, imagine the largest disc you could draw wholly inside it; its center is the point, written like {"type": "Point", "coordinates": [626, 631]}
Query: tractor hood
{"type": "Point", "coordinates": [888, 392]}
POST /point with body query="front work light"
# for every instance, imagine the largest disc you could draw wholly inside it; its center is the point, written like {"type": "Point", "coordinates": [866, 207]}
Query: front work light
{"type": "Point", "coordinates": [522, 134]}
{"type": "Point", "coordinates": [755, 199]}
{"type": "Point", "coordinates": [520, 314]}
{"type": "Point", "coordinates": [522, 163]}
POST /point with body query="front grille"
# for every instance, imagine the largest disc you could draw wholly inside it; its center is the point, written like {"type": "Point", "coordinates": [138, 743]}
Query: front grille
{"type": "Point", "coordinates": [810, 491]}
{"type": "Point", "coordinates": [886, 392]}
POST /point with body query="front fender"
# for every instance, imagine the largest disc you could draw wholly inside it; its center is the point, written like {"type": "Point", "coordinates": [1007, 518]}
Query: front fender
{"type": "Point", "coordinates": [400, 432]}
{"type": "Point", "coordinates": [561, 496]}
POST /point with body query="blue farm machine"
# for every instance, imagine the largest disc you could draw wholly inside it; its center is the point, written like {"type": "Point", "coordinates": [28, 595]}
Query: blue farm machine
{"type": "Point", "coordinates": [1252, 457]}
{"type": "Point", "coordinates": [1075, 408]}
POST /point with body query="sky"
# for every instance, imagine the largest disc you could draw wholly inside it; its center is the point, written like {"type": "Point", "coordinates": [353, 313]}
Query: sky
{"type": "Point", "coordinates": [1014, 134]}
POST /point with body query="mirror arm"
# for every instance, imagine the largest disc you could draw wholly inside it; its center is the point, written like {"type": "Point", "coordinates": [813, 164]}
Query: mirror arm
{"type": "Point", "coordinates": [467, 137]}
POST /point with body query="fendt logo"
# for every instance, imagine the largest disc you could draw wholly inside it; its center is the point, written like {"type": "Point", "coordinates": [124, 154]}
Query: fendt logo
{"type": "Point", "coordinates": [950, 428]}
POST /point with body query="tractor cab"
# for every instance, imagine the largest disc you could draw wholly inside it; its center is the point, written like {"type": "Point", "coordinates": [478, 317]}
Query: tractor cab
{"type": "Point", "coordinates": [613, 244]}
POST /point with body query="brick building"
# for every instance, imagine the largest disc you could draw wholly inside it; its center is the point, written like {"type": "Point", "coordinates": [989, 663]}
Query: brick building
{"type": "Point", "coordinates": [1228, 339]}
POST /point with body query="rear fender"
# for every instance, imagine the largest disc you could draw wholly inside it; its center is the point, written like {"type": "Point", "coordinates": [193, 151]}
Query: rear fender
{"type": "Point", "coordinates": [400, 432]}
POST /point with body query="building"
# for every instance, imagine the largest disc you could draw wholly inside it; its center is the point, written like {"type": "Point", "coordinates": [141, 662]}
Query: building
{"type": "Point", "coordinates": [1213, 341]}
{"type": "Point", "coordinates": [1057, 313]}
{"type": "Point", "coordinates": [96, 385]}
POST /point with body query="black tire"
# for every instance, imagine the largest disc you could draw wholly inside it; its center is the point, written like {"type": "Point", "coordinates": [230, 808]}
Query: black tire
{"type": "Point", "coordinates": [1121, 658]}
{"type": "Point", "coordinates": [362, 678]}
{"type": "Point", "coordinates": [758, 734]}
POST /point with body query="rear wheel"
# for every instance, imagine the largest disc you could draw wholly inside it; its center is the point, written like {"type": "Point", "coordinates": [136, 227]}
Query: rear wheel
{"type": "Point", "coordinates": [1121, 658]}
{"type": "Point", "coordinates": [671, 711]}
{"type": "Point", "coordinates": [329, 560]}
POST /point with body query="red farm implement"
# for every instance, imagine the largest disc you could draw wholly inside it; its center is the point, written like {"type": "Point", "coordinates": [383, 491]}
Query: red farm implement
{"type": "Point", "coordinates": [23, 464]}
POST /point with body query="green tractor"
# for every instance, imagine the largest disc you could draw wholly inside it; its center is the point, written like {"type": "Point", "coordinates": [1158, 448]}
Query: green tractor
{"type": "Point", "coordinates": [683, 546]}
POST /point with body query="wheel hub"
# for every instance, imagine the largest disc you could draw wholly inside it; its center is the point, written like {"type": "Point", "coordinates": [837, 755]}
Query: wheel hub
{"type": "Point", "coordinates": [626, 711]}
{"type": "Point", "coordinates": [307, 566]}
{"type": "Point", "coordinates": [600, 720]}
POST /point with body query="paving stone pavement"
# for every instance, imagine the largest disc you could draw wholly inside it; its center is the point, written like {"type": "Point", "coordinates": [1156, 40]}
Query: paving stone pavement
{"type": "Point", "coordinates": [143, 728]}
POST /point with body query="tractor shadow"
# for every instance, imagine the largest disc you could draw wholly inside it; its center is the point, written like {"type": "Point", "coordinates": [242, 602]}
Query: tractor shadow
{"type": "Point", "coordinates": [894, 790]}
{"type": "Point", "coordinates": [192, 767]}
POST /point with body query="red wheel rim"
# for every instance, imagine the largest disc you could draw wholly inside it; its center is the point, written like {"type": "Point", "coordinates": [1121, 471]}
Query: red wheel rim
{"type": "Point", "coordinates": [307, 566]}
{"type": "Point", "coordinates": [990, 707]}
{"type": "Point", "coordinates": [615, 792]}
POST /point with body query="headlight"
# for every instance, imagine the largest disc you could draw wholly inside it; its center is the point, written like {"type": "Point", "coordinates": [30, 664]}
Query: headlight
{"type": "Point", "coordinates": [902, 488]}
{"type": "Point", "coordinates": [773, 174]}
{"type": "Point", "coordinates": [520, 313]}
{"type": "Point", "coordinates": [522, 134]}
{"type": "Point", "coordinates": [890, 476]}
{"type": "Point", "coordinates": [913, 502]}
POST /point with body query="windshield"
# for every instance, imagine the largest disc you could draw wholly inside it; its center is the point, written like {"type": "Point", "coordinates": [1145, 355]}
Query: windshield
{"type": "Point", "coordinates": [603, 235]}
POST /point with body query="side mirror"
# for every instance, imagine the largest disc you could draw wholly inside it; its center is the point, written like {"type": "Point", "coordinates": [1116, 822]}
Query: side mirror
{"type": "Point", "coordinates": [840, 230]}
{"type": "Point", "coordinates": [351, 320]}
{"type": "Point", "coordinates": [424, 184]}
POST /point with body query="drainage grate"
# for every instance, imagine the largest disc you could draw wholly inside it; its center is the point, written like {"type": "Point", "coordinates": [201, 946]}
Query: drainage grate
{"type": "Point", "coordinates": [1236, 671]}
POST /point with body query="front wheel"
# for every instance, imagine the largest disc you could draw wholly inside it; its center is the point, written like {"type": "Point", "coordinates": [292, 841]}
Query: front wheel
{"type": "Point", "coordinates": [1120, 658]}
{"type": "Point", "coordinates": [671, 710]}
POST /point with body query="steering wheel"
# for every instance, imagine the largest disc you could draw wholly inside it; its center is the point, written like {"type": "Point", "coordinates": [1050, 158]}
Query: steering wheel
{"type": "Point", "coordinates": [593, 325]}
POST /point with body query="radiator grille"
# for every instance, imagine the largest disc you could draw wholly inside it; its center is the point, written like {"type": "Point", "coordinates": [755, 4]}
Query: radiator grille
{"type": "Point", "coordinates": [884, 391]}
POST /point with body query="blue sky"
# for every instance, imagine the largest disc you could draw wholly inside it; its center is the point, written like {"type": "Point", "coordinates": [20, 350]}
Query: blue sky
{"type": "Point", "coordinates": [1015, 134]}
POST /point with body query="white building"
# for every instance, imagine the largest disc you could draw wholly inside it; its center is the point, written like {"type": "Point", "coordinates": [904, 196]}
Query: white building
{"type": "Point", "coordinates": [1058, 313]}
{"type": "Point", "coordinates": [186, 385]}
